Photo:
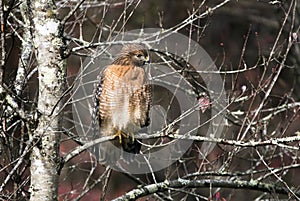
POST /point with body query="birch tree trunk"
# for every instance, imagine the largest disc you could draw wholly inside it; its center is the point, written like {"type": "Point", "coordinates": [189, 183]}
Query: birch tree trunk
{"type": "Point", "coordinates": [51, 74]}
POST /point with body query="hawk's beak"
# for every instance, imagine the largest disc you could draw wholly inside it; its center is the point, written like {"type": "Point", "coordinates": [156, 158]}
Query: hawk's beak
{"type": "Point", "coordinates": [147, 59]}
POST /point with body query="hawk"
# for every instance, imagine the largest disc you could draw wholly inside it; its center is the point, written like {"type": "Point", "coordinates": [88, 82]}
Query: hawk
{"type": "Point", "coordinates": [122, 103]}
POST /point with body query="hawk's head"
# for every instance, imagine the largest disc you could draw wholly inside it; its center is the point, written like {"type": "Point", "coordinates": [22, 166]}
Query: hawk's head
{"type": "Point", "coordinates": [133, 54]}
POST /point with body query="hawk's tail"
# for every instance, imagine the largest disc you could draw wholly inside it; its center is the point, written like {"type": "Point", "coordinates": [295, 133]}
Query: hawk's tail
{"type": "Point", "coordinates": [111, 152]}
{"type": "Point", "coordinates": [131, 147]}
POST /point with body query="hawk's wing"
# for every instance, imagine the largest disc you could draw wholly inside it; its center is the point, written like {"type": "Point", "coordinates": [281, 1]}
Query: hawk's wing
{"type": "Point", "coordinates": [96, 121]}
{"type": "Point", "coordinates": [148, 103]}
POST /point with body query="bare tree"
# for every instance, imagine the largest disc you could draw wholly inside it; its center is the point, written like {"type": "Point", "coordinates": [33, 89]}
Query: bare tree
{"type": "Point", "coordinates": [47, 54]}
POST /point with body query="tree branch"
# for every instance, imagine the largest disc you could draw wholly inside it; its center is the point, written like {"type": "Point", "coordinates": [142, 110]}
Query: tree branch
{"type": "Point", "coordinates": [281, 142]}
{"type": "Point", "coordinates": [205, 183]}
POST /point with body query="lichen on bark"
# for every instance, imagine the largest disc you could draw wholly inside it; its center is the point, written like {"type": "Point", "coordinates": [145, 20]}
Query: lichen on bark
{"type": "Point", "coordinates": [51, 75]}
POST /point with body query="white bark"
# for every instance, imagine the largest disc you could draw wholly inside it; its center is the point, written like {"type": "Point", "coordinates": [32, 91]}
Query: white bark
{"type": "Point", "coordinates": [51, 75]}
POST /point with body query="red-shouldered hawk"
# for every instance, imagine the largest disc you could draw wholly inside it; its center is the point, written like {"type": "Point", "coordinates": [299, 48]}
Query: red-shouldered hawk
{"type": "Point", "coordinates": [122, 103]}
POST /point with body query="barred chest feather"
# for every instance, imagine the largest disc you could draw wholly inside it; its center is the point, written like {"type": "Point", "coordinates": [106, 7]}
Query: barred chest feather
{"type": "Point", "coordinates": [125, 99]}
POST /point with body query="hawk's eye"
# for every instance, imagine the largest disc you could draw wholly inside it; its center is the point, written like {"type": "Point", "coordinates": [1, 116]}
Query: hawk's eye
{"type": "Point", "coordinates": [139, 56]}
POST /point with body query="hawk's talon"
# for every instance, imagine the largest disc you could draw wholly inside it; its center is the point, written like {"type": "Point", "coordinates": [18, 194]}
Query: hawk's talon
{"type": "Point", "coordinates": [132, 136]}
{"type": "Point", "coordinates": [120, 134]}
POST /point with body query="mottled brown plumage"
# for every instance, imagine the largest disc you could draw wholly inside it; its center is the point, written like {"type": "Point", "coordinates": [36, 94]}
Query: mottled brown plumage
{"type": "Point", "coordinates": [122, 103]}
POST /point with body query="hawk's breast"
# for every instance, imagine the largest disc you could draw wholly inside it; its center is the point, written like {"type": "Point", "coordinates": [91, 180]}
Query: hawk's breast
{"type": "Point", "coordinates": [124, 99]}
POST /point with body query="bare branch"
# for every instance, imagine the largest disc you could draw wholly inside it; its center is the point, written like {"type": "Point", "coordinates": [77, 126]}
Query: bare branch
{"type": "Point", "coordinates": [205, 183]}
